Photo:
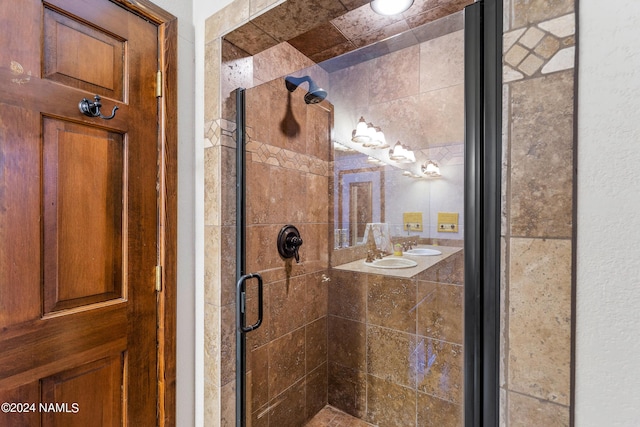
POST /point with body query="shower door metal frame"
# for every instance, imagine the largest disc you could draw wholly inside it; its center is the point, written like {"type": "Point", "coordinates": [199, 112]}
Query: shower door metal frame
{"type": "Point", "coordinates": [483, 151]}
{"type": "Point", "coordinates": [483, 160]}
{"type": "Point", "coordinates": [241, 276]}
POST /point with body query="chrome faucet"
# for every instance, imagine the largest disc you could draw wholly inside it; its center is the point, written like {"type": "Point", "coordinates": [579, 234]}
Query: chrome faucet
{"type": "Point", "coordinates": [408, 245]}
{"type": "Point", "coordinates": [370, 256]}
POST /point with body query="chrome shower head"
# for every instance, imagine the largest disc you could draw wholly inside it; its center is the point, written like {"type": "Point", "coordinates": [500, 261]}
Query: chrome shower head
{"type": "Point", "coordinates": [314, 95]}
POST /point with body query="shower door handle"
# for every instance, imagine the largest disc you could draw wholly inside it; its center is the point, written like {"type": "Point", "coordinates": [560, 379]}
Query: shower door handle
{"type": "Point", "coordinates": [241, 303]}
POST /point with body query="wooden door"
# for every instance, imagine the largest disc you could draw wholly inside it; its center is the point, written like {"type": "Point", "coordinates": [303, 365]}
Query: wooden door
{"type": "Point", "coordinates": [78, 215]}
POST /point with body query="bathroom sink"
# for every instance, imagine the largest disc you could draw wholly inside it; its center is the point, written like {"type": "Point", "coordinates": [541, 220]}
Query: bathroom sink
{"type": "Point", "coordinates": [423, 252]}
{"type": "Point", "coordinates": [392, 263]}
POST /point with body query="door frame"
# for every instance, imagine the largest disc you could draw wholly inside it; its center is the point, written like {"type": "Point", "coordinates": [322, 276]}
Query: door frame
{"type": "Point", "coordinates": [483, 161]}
{"type": "Point", "coordinates": [167, 201]}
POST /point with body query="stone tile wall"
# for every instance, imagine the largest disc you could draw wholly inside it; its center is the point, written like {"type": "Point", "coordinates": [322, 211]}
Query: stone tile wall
{"type": "Point", "coordinates": [537, 227]}
{"type": "Point", "coordinates": [286, 360]}
{"type": "Point", "coordinates": [288, 183]}
{"type": "Point", "coordinates": [395, 346]}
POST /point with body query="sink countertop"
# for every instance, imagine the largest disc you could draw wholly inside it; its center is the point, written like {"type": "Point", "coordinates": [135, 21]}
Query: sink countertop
{"type": "Point", "coordinates": [424, 262]}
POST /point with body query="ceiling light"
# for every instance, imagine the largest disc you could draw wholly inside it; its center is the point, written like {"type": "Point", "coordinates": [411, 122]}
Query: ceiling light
{"type": "Point", "coordinates": [390, 7]}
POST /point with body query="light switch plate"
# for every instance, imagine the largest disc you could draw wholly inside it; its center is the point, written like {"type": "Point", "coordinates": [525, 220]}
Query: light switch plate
{"type": "Point", "coordinates": [412, 221]}
{"type": "Point", "coordinates": [448, 222]}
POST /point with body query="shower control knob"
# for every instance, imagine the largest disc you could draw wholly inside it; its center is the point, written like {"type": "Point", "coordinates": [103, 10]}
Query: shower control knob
{"type": "Point", "coordinates": [294, 241]}
{"type": "Point", "coordinates": [288, 242]}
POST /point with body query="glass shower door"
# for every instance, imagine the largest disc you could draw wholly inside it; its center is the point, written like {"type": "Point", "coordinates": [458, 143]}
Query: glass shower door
{"type": "Point", "coordinates": [339, 330]}
{"type": "Point", "coordinates": [286, 175]}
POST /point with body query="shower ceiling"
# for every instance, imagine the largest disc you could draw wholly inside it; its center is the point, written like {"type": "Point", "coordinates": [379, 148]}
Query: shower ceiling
{"type": "Point", "coordinates": [324, 29]}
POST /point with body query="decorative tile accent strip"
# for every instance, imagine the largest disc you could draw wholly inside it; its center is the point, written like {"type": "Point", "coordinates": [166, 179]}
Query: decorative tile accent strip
{"type": "Point", "coordinates": [561, 61]}
{"type": "Point", "coordinates": [511, 37]}
{"type": "Point", "coordinates": [445, 155]}
{"type": "Point", "coordinates": [539, 49]}
{"type": "Point", "coordinates": [531, 38]}
{"type": "Point", "coordinates": [211, 133]}
{"type": "Point", "coordinates": [561, 27]}
{"type": "Point", "coordinates": [276, 156]}
{"type": "Point", "coordinates": [228, 133]}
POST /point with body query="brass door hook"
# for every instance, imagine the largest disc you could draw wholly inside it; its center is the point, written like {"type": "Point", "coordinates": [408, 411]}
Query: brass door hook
{"type": "Point", "coordinates": [92, 109]}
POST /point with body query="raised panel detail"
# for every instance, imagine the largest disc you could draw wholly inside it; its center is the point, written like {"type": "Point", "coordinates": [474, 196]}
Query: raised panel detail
{"type": "Point", "coordinates": [76, 53]}
{"type": "Point", "coordinates": [84, 181]}
{"type": "Point", "coordinates": [84, 57]}
{"type": "Point", "coordinates": [89, 395]}
{"type": "Point", "coordinates": [26, 393]}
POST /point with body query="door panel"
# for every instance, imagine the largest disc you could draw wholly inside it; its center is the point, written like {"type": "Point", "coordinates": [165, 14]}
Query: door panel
{"type": "Point", "coordinates": [103, 407]}
{"type": "Point", "coordinates": [83, 193]}
{"type": "Point", "coordinates": [70, 49]}
{"type": "Point", "coordinates": [78, 215]}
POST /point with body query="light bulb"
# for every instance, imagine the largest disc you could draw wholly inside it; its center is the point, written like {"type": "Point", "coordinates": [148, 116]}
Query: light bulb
{"type": "Point", "coordinates": [390, 7]}
{"type": "Point", "coordinates": [431, 169]}
{"type": "Point", "coordinates": [361, 133]}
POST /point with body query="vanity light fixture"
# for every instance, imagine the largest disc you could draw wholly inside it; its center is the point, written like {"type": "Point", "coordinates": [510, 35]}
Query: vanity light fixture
{"type": "Point", "coordinates": [371, 133]}
{"type": "Point", "coordinates": [380, 138]}
{"type": "Point", "coordinates": [410, 156]}
{"type": "Point", "coordinates": [377, 137]}
{"type": "Point", "coordinates": [361, 132]}
{"type": "Point", "coordinates": [398, 152]}
{"type": "Point", "coordinates": [368, 135]}
{"type": "Point", "coordinates": [342, 147]}
{"type": "Point", "coordinates": [390, 7]}
{"type": "Point", "coordinates": [402, 154]}
{"type": "Point", "coordinates": [431, 169]}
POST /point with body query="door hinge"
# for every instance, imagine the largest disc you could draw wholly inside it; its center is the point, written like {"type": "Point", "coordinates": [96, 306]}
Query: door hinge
{"type": "Point", "coordinates": [159, 84]}
{"type": "Point", "coordinates": [158, 278]}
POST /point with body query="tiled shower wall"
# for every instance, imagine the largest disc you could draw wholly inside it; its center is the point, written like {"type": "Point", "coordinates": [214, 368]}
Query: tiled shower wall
{"type": "Point", "coordinates": [288, 177]}
{"type": "Point", "coordinates": [537, 228]}
{"type": "Point", "coordinates": [395, 346]}
{"type": "Point", "coordinates": [287, 368]}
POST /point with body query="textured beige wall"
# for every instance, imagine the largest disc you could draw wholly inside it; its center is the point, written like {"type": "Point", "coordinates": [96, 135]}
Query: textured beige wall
{"type": "Point", "coordinates": [608, 291]}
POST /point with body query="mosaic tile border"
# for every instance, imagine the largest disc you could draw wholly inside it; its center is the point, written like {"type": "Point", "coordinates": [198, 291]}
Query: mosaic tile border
{"type": "Point", "coordinates": [212, 132]}
{"type": "Point", "coordinates": [445, 155]}
{"type": "Point", "coordinates": [539, 49]}
{"type": "Point", "coordinates": [276, 156]}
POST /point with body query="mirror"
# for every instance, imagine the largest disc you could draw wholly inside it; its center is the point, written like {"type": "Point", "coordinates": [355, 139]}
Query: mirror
{"type": "Point", "coordinates": [415, 96]}
{"type": "Point", "coordinates": [382, 193]}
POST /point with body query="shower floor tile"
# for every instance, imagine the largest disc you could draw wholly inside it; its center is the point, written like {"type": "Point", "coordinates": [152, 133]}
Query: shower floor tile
{"type": "Point", "coordinates": [332, 417]}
